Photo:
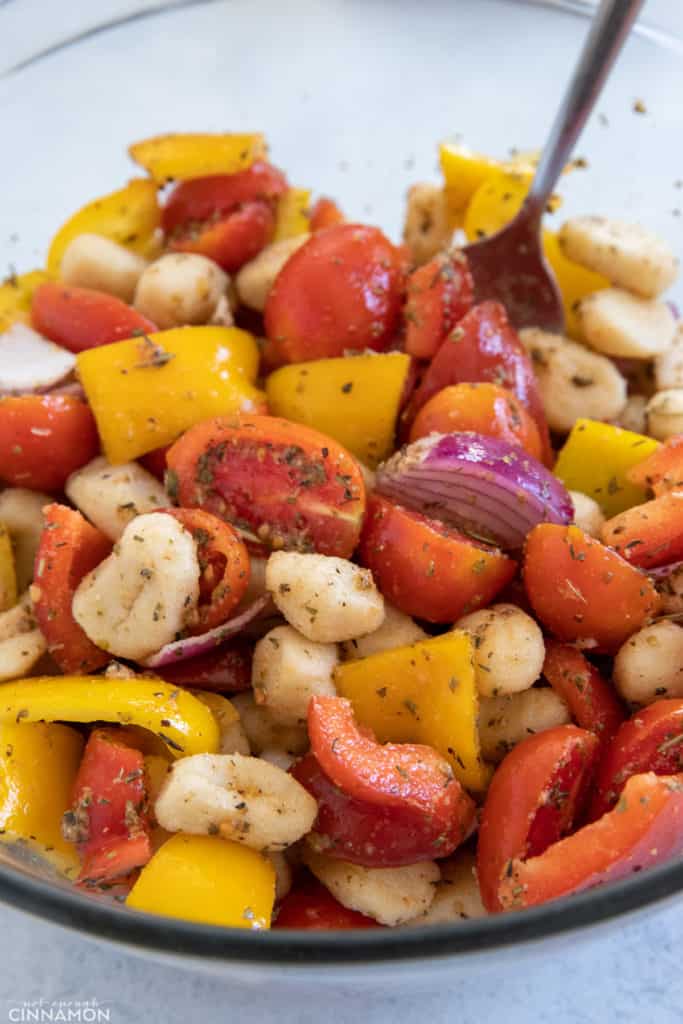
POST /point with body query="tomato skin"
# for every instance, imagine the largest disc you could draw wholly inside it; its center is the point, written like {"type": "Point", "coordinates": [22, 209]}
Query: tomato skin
{"type": "Point", "coordinates": [247, 469]}
{"type": "Point", "coordinates": [155, 462]}
{"type": "Point", "coordinates": [427, 569]}
{"type": "Point", "coordinates": [341, 290]}
{"type": "Point", "coordinates": [534, 797]}
{"type": "Point", "coordinates": [663, 470]}
{"type": "Point", "coordinates": [69, 548]}
{"type": "Point", "coordinates": [581, 590]}
{"type": "Point", "coordinates": [215, 195]}
{"type": "Point", "coordinates": [110, 808]}
{"type": "Point", "coordinates": [482, 408]}
{"type": "Point", "coordinates": [224, 670]}
{"type": "Point", "coordinates": [82, 318]}
{"type": "Point", "coordinates": [650, 741]}
{"type": "Point", "coordinates": [593, 701]}
{"type": "Point", "coordinates": [484, 346]}
{"type": "Point", "coordinates": [374, 836]}
{"type": "Point", "coordinates": [233, 240]}
{"type": "Point", "coordinates": [44, 438]}
{"type": "Point", "coordinates": [223, 561]}
{"type": "Point", "coordinates": [440, 293]}
{"type": "Point", "coordinates": [325, 214]}
{"type": "Point", "coordinates": [312, 907]}
{"type": "Point", "coordinates": [650, 534]}
{"type": "Point", "coordinates": [645, 828]}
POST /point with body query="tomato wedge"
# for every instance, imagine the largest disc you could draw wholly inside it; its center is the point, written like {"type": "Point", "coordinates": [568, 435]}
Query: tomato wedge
{"type": "Point", "coordinates": [534, 798]}
{"type": "Point", "coordinates": [82, 318]}
{"type": "Point", "coordinates": [648, 535]}
{"type": "Point", "coordinates": [375, 836]}
{"type": "Point", "coordinates": [231, 241]}
{"type": "Point", "coordinates": [663, 470]}
{"type": "Point", "coordinates": [279, 483]}
{"type": "Point", "coordinates": [312, 907]}
{"type": "Point", "coordinates": [340, 291]}
{"type": "Point", "coordinates": [69, 548]}
{"type": "Point", "coordinates": [325, 214]}
{"type": "Point", "coordinates": [645, 827]}
{"type": "Point", "coordinates": [216, 195]}
{"type": "Point", "coordinates": [650, 741]}
{"type": "Point", "coordinates": [223, 562]}
{"type": "Point", "coordinates": [439, 295]}
{"type": "Point", "coordinates": [227, 669]}
{"type": "Point", "coordinates": [582, 590]}
{"type": "Point", "coordinates": [428, 569]}
{"type": "Point", "coordinates": [593, 702]}
{"type": "Point", "coordinates": [44, 438]}
{"type": "Point", "coordinates": [108, 817]}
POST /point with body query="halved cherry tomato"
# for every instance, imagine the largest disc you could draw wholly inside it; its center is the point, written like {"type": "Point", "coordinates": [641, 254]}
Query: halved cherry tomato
{"type": "Point", "coordinates": [82, 318]}
{"type": "Point", "coordinates": [582, 590]}
{"type": "Point", "coordinates": [484, 346]}
{"type": "Point", "coordinates": [439, 295]}
{"type": "Point", "coordinates": [279, 483]}
{"type": "Point", "coordinates": [533, 800]}
{"type": "Point", "coordinates": [227, 669]}
{"type": "Point", "coordinates": [648, 535]}
{"type": "Point", "coordinates": [108, 817]}
{"type": "Point", "coordinates": [325, 214]}
{"type": "Point", "coordinates": [216, 195]}
{"type": "Point", "coordinates": [231, 241]}
{"type": "Point", "coordinates": [645, 827]}
{"type": "Point", "coordinates": [155, 462]}
{"type": "Point", "coordinates": [375, 836]}
{"type": "Point", "coordinates": [426, 568]}
{"type": "Point", "coordinates": [44, 438]}
{"type": "Point", "coordinates": [341, 290]}
{"type": "Point", "coordinates": [223, 563]}
{"type": "Point", "coordinates": [663, 470]}
{"type": "Point", "coordinates": [593, 701]}
{"type": "Point", "coordinates": [69, 548]}
{"type": "Point", "coordinates": [651, 741]}
{"type": "Point", "coordinates": [483, 408]}
{"type": "Point", "coordinates": [312, 907]}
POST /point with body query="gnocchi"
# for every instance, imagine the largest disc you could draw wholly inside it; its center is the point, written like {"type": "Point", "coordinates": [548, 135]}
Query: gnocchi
{"type": "Point", "coordinates": [649, 665]}
{"type": "Point", "coordinates": [617, 323]}
{"type": "Point", "coordinates": [111, 496]}
{"type": "Point", "coordinates": [180, 288]}
{"type": "Point", "coordinates": [506, 721]}
{"type": "Point", "coordinates": [93, 261]}
{"type": "Point", "coordinates": [397, 630]}
{"type": "Point", "coordinates": [427, 229]}
{"type": "Point", "coordinates": [508, 649]}
{"type": "Point", "coordinates": [288, 670]}
{"type": "Point", "coordinates": [255, 279]}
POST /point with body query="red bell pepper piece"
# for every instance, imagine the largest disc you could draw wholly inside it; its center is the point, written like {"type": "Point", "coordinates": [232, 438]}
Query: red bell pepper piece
{"type": "Point", "coordinates": [593, 701]}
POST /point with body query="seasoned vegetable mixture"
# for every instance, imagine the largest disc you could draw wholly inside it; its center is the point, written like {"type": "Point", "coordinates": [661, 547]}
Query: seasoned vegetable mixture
{"type": "Point", "coordinates": [328, 599]}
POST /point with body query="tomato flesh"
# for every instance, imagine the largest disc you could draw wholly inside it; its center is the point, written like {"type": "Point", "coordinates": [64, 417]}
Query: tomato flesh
{"type": "Point", "coordinates": [43, 439]}
{"type": "Point", "coordinates": [648, 535]}
{"type": "Point", "coordinates": [325, 214]}
{"type": "Point", "coordinates": [82, 318]}
{"type": "Point", "coordinates": [663, 470]}
{"type": "Point", "coordinates": [312, 907]}
{"type": "Point", "coordinates": [593, 701]}
{"type": "Point", "coordinates": [439, 295]}
{"type": "Point", "coordinates": [216, 195]}
{"type": "Point", "coordinates": [232, 240]}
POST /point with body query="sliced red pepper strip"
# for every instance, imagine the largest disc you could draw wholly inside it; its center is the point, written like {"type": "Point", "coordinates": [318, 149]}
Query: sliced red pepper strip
{"type": "Point", "coordinates": [440, 293]}
{"type": "Point", "coordinates": [593, 701]}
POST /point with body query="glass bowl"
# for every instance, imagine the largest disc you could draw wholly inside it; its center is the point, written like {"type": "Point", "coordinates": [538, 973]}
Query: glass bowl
{"type": "Point", "coordinates": [353, 96]}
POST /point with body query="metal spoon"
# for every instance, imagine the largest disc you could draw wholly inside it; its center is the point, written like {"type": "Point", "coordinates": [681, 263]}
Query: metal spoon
{"type": "Point", "coordinates": [510, 266]}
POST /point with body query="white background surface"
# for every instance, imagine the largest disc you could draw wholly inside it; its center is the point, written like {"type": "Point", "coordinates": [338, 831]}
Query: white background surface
{"type": "Point", "coordinates": [632, 973]}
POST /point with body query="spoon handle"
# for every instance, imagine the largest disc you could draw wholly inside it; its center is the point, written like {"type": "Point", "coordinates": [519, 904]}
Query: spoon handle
{"type": "Point", "coordinates": [608, 32]}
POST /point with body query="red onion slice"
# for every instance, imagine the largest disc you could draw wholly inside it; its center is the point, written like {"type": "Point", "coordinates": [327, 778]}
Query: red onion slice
{"type": "Point", "coordinates": [29, 362]}
{"type": "Point", "coordinates": [488, 488]}
{"type": "Point", "coordinates": [662, 571]}
{"type": "Point", "coordinates": [193, 646]}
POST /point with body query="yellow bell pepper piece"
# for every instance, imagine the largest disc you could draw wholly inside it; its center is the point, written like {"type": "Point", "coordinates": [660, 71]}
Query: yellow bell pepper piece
{"type": "Point", "coordinates": [355, 401]}
{"type": "Point", "coordinates": [184, 724]}
{"type": "Point", "coordinates": [38, 765]}
{"type": "Point", "coordinates": [129, 216]}
{"type": "Point", "coordinates": [595, 460]}
{"type": "Point", "coordinates": [422, 693]}
{"type": "Point", "coordinates": [463, 172]}
{"type": "Point", "coordinates": [574, 281]}
{"type": "Point", "coordinates": [16, 296]}
{"type": "Point", "coordinates": [8, 576]}
{"type": "Point", "coordinates": [207, 879]}
{"type": "Point", "coordinates": [291, 216]}
{"type": "Point", "coordinates": [225, 713]}
{"type": "Point", "coordinates": [195, 155]}
{"type": "Point", "coordinates": [144, 392]}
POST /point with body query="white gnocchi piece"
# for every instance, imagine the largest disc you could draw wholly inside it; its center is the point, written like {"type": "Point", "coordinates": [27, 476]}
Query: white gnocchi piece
{"type": "Point", "coordinates": [397, 630]}
{"type": "Point", "coordinates": [180, 288]}
{"type": "Point", "coordinates": [280, 758]}
{"type": "Point", "coordinates": [669, 364]}
{"type": "Point", "coordinates": [617, 323]}
{"type": "Point", "coordinates": [508, 649]}
{"type": "Point", "coordinates": [628, 255]}
{"type": "Point", "coordinates": [111, 496]}
{"type": "Point", "coordinates": [21, 642]}
{"type": "Point", "coordinates": [283, 874]}
{"type": "Point", "coordinates": [243, 799]}
{"type": "Point", "coordinates": [233, 738]}
{"type": "Point", "coordinates": [93, 261]}
{"type": "Point", "coordinates": [288, 670]}
{"type": "Point", "coordinates": [457, 894]}
{"type": "Point", "coordinates": [264, 732]}
{"type": "Point", "coordinates": [506, 721]}
{"type": "Point", "coordinates": [427, 228]}
{"type": "Point", "coordinates": [391, 896]}
{"type": "Point", "coordinates": [649, 665]}
{"type": "Point", "coordinates": [634, 415]}
{"type": "Point", "coordinates": [21, 512]}
{"type": "Point", "coordinates": [573, 381]}
{"type": "Point", "coordinates": [588, 515]}
{"type": "Point", "coordinates": [665, 414]}
{"type": "Point", "coordinates": [327, 599]}
{"type": "Point", "coordinates": [144, 593]}
{"type": "Point", "coordinates": [255, 279]}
